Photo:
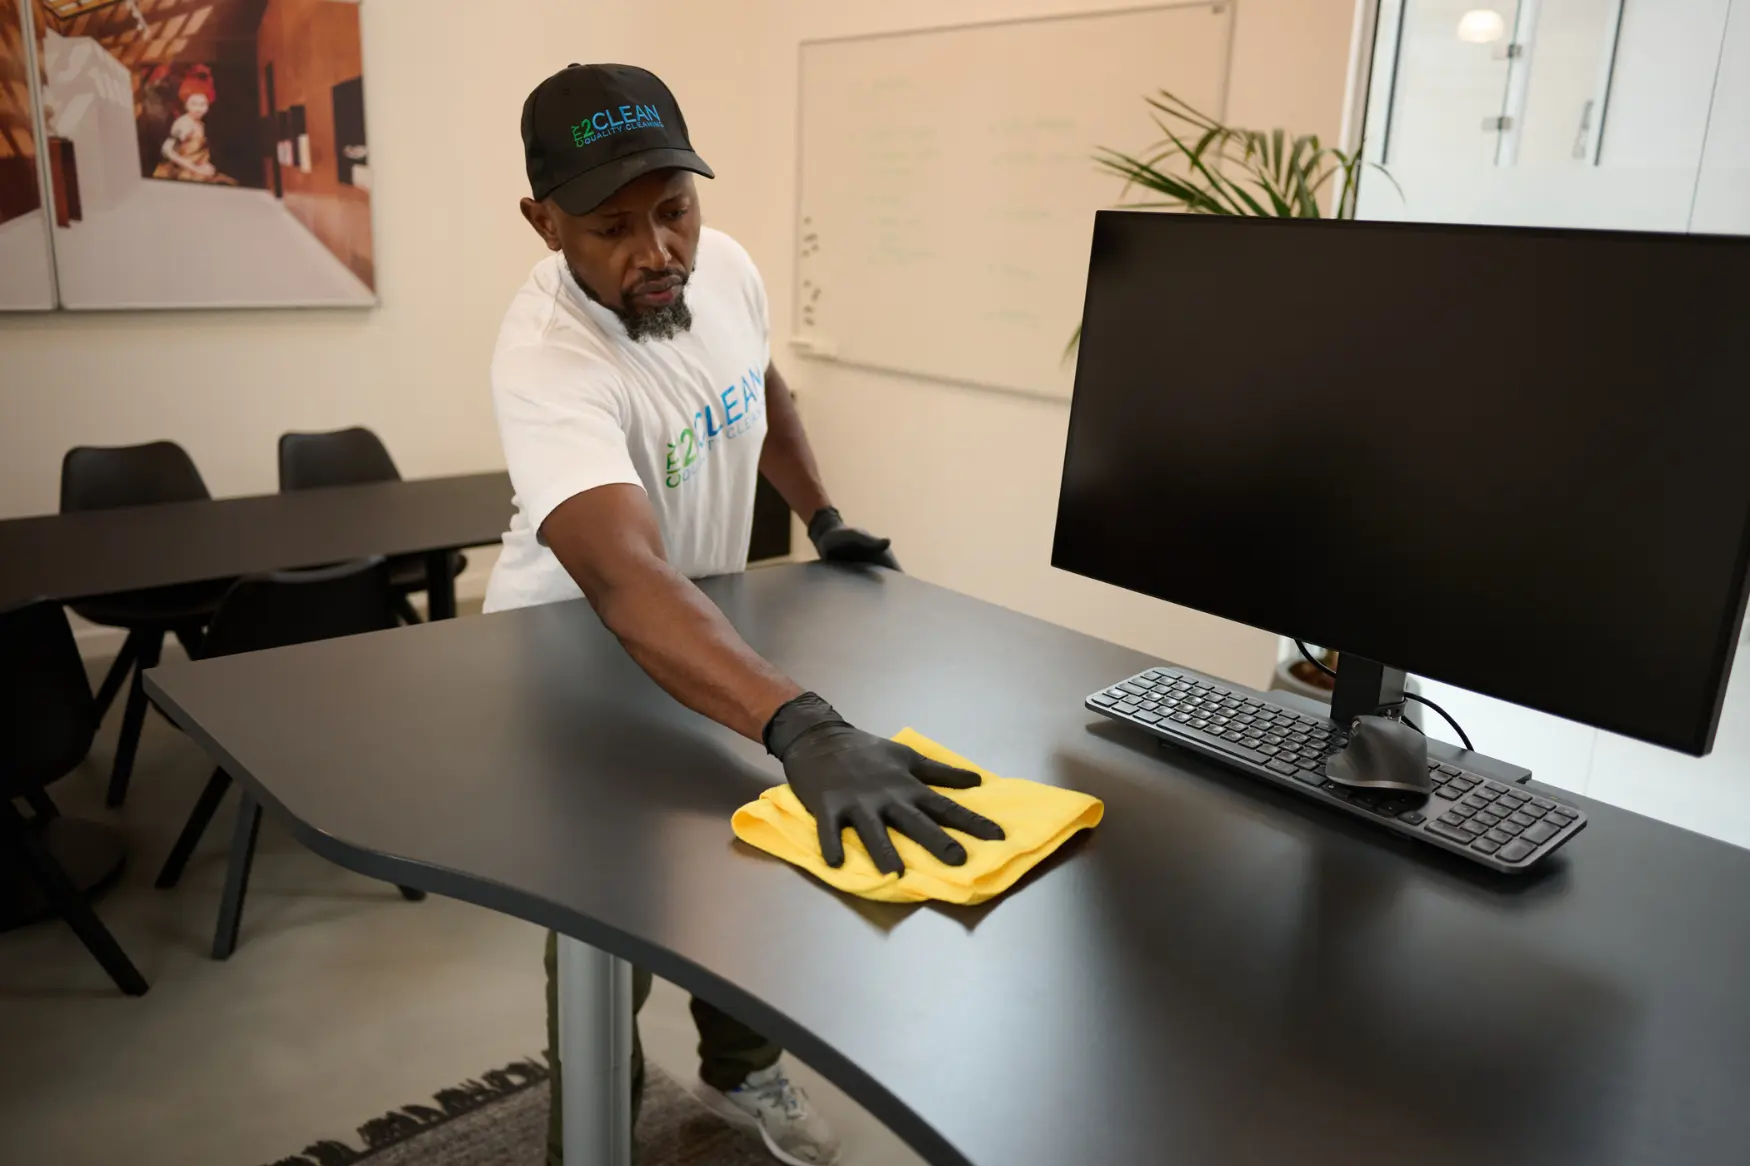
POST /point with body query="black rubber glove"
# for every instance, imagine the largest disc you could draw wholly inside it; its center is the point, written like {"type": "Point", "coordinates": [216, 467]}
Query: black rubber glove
{"type": "Point", "coordinates": [838, 543]}
{"type": "Point", "coordinates": [848, 778]}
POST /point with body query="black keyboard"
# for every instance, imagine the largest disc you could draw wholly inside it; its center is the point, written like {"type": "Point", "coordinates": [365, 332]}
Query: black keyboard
{"type": "Point", "coordinates": [1497, 824]}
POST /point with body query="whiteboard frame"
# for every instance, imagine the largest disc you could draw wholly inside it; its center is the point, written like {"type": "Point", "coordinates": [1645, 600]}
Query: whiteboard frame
{"type": "Point", "coordinates": [793, 340]}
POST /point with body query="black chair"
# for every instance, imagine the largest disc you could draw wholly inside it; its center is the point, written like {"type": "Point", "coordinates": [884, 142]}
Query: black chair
{"type": "Point", "coordinates": [47, 721]}
{"type": "Point", "coordinates": [352, 457]}
{"type": "Point", "coordinates": [273, 611]}
{"type": "Point", "coordinates": [99, 478]}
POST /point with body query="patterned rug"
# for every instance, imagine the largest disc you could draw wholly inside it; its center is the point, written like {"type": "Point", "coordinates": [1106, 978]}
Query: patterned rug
{"type": "Point", "coordinates": [501, 1120]}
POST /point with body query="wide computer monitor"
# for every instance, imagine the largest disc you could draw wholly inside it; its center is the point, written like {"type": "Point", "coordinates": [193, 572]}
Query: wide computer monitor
{"type": "Point", "coordinates": [1513, 460]}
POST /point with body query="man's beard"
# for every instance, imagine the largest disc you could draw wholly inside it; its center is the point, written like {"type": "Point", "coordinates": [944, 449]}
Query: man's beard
{"type": "Point", "coordinates": [664, 323]}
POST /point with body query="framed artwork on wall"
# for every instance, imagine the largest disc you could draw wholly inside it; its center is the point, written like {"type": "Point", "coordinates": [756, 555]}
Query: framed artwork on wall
{"type": "Point", "coordinates": [188, 154]}
{"type": "Point", "coordinates": [27, 275]}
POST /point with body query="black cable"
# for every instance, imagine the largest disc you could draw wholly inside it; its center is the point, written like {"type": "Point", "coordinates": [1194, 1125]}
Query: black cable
{"type": "Point", "coordinates": [1316, 663]}
{"type": "Point", "coordinates": [1455, 725]}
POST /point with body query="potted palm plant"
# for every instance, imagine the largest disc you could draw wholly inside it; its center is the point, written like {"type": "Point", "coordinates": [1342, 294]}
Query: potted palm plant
{"type": "Point", "coordinates": [1200, 166]}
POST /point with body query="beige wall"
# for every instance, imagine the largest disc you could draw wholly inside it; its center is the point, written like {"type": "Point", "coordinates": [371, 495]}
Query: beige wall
{"type": "Point", "coordinates": [965, 481]}
{"type": "Point", "coordinates": [444, 86]}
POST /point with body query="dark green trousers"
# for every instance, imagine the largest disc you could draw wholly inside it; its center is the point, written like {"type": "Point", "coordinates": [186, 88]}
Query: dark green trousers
{"type": "Point", "coordinates": [728, 1049]}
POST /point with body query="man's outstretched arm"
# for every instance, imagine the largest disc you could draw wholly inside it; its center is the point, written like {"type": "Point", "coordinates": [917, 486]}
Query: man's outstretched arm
{"type": "Point", "coordinates": [609, 540]}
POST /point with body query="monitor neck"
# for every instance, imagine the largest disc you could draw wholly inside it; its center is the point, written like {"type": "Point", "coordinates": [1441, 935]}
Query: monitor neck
{"type": "Point", "coordinates": [1364, 687]}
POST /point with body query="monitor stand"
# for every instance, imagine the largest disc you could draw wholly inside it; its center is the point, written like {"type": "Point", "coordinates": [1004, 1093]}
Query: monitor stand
{"type": "Point", "coordinates": [1366, 688]}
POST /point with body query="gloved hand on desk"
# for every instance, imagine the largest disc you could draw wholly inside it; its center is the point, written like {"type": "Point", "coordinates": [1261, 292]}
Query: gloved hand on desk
{"type": "Point", "coordinates": [838, 543]}
{"type": "Point", "coordinates": [845, 777]}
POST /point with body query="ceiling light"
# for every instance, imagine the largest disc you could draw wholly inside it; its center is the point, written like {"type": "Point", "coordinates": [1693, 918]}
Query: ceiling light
{"type": "Point", "coordinates": [1481, 26]}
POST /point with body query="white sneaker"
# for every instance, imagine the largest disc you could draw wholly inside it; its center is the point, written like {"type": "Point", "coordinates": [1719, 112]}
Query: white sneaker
{"type": "Point", "coordinates": [769, 1102]}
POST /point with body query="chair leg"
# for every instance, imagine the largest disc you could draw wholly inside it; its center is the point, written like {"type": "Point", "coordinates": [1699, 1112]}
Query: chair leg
{"type": "Point", "coordinates": [42, 869]}
{"type": "Point", "coordinates": [42, 805]}
{"type": "Point", "coordinates": [412, 894]}
{"type": "Point", "coordinates": [237, 877]}
{"type": "Point", "coordinates": [191, 636]}
{"type": "Point", "coordinates": [192, 830]}
{"type": "Point", "coordinates": [405, 609]}
{"type": "Point", "coordinates": [133, 719]}
{"type": "Point", "coordinates": [118, 672]}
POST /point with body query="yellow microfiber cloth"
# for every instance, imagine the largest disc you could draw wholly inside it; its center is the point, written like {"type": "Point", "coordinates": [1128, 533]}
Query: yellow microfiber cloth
{"type": "Point", "coordinates": [1037, 819]}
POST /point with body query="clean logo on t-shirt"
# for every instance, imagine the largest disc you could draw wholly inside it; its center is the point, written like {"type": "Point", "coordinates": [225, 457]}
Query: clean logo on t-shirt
{"type": "Point", "coordinates": [742, 406]}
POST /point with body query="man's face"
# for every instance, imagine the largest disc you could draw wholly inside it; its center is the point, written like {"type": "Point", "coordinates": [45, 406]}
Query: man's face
{"type": "Point", "coordinates": [634, 253]}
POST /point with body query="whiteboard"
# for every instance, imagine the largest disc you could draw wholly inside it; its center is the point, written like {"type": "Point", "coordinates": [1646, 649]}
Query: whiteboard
{"type": "Point", "coordinates": [947, 193]}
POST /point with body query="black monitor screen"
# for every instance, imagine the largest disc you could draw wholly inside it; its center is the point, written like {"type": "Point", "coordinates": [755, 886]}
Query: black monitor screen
{"type": "Point", "coordinates": [1513, 460]}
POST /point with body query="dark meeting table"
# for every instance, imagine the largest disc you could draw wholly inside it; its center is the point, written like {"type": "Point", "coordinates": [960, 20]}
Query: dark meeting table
{"type": "Point", "coordinates": [75, 556]}
{"type": "Point", "coordinates": [1220, 974]}
{"type": "Point", "coordinates": [100, 552]}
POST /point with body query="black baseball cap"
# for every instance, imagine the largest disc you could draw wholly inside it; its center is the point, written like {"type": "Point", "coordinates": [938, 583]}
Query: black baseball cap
{"type": "Point", "coordinates": [588, 130]}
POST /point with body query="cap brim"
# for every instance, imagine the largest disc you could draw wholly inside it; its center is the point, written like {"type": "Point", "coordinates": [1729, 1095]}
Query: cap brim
{"type": "Point", "coordinates": [589, 190]}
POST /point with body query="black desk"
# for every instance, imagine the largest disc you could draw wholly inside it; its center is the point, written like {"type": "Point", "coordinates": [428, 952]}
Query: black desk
{"type": "Point", "coordinates": [75, 556]}
{"type": "Point", "coordinates": [1221, 974]}
{"type": "Point", "coordinates": [97, 552]}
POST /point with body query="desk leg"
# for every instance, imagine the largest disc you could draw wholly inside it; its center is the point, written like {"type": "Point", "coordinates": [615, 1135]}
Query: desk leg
{"type": "Point", "coordinates": [440, 585]}
{"type": "Point", "coordinates": [595, 1051]}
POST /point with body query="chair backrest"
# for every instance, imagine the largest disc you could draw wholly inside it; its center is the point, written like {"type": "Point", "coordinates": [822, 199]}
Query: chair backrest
{"type": "Point", "coordinates": [296, 607]}
{"type": "Point", "coordinates": [103, 477]}
{"type": "Point", "coordinates": [346, 457]}
{"type": "Point", "coordinates": [47, 713]}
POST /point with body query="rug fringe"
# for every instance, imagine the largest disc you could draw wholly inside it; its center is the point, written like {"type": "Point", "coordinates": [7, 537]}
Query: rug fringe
{"type": "Point", "coordinates": [398, 1125]}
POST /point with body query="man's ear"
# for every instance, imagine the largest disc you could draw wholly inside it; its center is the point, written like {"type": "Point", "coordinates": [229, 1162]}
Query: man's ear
{"type": "Point", "coordinates": [540, 217]}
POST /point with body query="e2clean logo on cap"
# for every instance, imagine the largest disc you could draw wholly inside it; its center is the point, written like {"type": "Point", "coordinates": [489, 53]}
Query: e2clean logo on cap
{"type": "Point", "coordinates": [607, 122]}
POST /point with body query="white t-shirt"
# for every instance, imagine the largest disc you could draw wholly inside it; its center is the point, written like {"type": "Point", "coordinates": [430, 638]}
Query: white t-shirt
{"type": "Point", "coordinates": [580, 404]}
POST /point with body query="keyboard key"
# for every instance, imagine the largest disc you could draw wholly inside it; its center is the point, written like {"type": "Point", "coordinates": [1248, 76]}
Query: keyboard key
{"type": "Point", "coordinates": [1464, 783]}
{"type": "Point", "coordinates": [1153, 674]}
{"type": "Point", "coordinates": [1457, 833]}
{"type": "Point", "coordinates": [1508, 804]}
{"type": "Point", "coordinates": [1498, 837]}
{"type": "Point", "coordinates": [1559, 818]}
{"type": "Point", "coordinates": [1495, 788]}
{"type": "Point", "coordinates": [1413, 817]}
{"type": "Point", "coordinates": [1268, 750]}
{"type": "Point", "coordinates": [1310, 776]}
{"type": "Point", "coordinates": [1312, 763]}
{"type": "Point", "coordinates": [1133, 689]}
{"type": "Point", "coordinates": [1199, 723]}
{"type": "Point", "coordinates": [1540, 833]}
{"type": "Point", "coordinates": [1282, 767]}
{"type": "Point", "coordinates": [1462, 811]}
{"type": "Point", "coordinates": [1517, 850]}
{"type": "Point", "coordinates": [1484, 818]}
{"type": "Point", "coordinates": [1149, 718]}
{"type": "Point", "coordinates": [1252, 741]}
{"type": "Point", "coordinates": [1246, 719]}
{"type": "Point", "coordinates": [1103, 701]}
{"type": "Point", "coordinates": [1127, 708]}
{"type": "Point", "coordinates": [1450, 770]}
{"type": "Point", "coordinates": [1543, 803]}
{"type": "Point", "coordinates": [1476, 801]}
{"type": "Point", "coordinates": [1510, 827]}
{"type": "Point", "coordinates": [1273, 738]}
{"type": "Point", "coordinates": [1451, 819]}
{"type": "Point", "coordinates": [1522, 820]}
{"type": "Point", "coordinates": [1149, 706]}
{"type": "Point", "coordinates": [1181, 718]}
{"type": "Point", "coordinates": [1485, 845]}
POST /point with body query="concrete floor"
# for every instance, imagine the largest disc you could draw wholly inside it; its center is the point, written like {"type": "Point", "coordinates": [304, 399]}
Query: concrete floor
{"type": "Point", "coordinates": [342, 1002]}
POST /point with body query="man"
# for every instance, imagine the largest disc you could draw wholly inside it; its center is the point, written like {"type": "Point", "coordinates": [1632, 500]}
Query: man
{"type": "Point", "coordinates": [638, 404]}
